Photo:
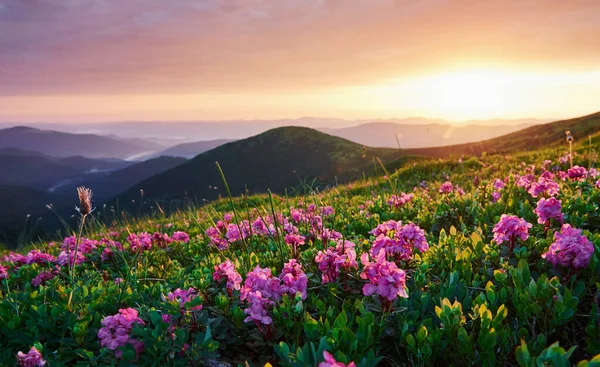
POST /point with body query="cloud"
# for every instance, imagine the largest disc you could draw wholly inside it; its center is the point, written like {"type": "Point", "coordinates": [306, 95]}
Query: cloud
{"type": "Point", "coordinates": [56, 47]}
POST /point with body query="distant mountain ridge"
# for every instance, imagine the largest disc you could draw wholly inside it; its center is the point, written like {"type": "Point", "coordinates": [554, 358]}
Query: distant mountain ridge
{"type": "Point", "coordinates": [394, 135]}
{"type": "Point", "coordinates": [190, 150]}
{"type": "Point", "coordinates": [61, 144]}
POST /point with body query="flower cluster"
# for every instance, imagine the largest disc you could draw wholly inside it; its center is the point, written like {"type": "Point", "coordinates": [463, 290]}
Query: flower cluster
{"type": "Point", "coordinates": [446, 188]}
{"type": "Point", "coordinates": [335, 259]}
{"type": "Point", "coordinates": [183, 296]}
{"type": "Point", "coordinates": [570, 249]}
{"type": "Point", "coordinates": [398, 240]}
{"type": "Point", "coordinates": [385, 278]}
{"type": "Point", "coordinates": [577, 173]}
{"type": "Point", "coordinates": [545, 186]}
{"type": "Point", "coordinates": [227, 271]}
{"type": "Point", "coordinates": [116, 329]}
{"type": "Point", "coordinates": [510, 228]}
{"type": "Point", "coordinates": [43, 277]}
{"type": "Point", "coordinates": [293, 279]}
{"type": "Point", "coordinates": [331, 362]}
{"type": "Point", "coordinates": [548, 209]}
{"type": "Point", "coordinates": [398, 201]}
{"type": "Point", "coordinates": [33, 358]}
{"type": "Point", "coordinates": [261, 289]}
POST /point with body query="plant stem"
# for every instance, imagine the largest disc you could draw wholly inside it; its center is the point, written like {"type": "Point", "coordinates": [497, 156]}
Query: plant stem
{"type": "Point", "coordinates": [72, 265]}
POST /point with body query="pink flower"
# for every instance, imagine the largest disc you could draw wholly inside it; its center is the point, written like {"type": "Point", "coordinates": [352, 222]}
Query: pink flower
{"type": "Point", "coordinates": [38, 257]}
{"type": "Point", "coordinates": [564, 159]}
{"type": "Point", "coordinates": [333, 260]}
{"type": "Point", "coordinates": [115, 329]}
{"type": "Point", "coordinates": [570, 249]}
{"type": "Point", "coordinates": [327, 211]}
{"type": "Point", "coordinates": [525, 181]}
{"type": "Point", "coordinates": [385, 278]}
{"type": "Point", "coordinates": [216, 239]}
{"type": "Point", "coordinates": [42, 278]}
{"type": "Point", "coordinates": [293, 278]}
{"type": "Point", "coordinates": [398, 240]}
{"type": "Point", "coordinates": [577, 173]}
{"type": "Point", "coordinates": [65, 258]}
{"type": "Point", "coordinates": [446, 187]}
{"type": "Point", "coordinates": [3, 272]}
{"type": "Point", "coordinates": [183, 296]}
{"type": "Point", "coordinates": [262, 281]}
{"type": "Point", "coordinates": [510, 228]}
{"type": "Point", "coordinates": [294, 239]}
{"type": "Point", "coordinates": [33, 358]}
{"type": "Point", "coordinates": [331, 362]}
{"type": "Point", "coordinates": [544, 186]}
{"type": "Point", "coordinates": [548, 209]}
{"type": "Point", "coordinates": [399, 201]}
{"type": "Point", "coordinates": [498, 184]}
{"type": "Point", "coordinates": [598, 184]}
{"type": "Point", "coordinates": [140, 242]}
{"type": "Point", "coordinates": [258, 310]}
{"type": "Point", "coordinates": [14, 258]}
{"type": "Point", "coordinates": [180, 237]}
{"type": "Point", "coordinates": [227, 271]}
{"type": "Point", "coordinates": [496, 196]}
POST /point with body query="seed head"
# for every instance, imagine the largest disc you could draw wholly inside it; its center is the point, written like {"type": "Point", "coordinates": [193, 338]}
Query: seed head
{"type": "Point", "coordinates": [569, 136]}
{"type": "Point", "coordinates": [85, 200]}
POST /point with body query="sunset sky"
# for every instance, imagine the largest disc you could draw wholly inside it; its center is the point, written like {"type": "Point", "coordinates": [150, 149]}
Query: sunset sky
{"type": "Point", "coordinates": [113, 60]}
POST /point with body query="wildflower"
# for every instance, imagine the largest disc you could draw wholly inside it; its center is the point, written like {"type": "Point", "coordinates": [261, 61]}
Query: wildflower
{"type": "Point", "coordinates": [398, 240]}
{"type": "Point", "coordinates": [3, 272]}
{"type": "Point", "coordinates": [570, 249]}
{"type": "Point", "coordinates": [459, 190]}
{"type": "Point", "coordinates": [510, 228]}
{"type": "Point", "coordinates": [65, 258]}
{"type": "Point", "coordinates": [38, 257]}
{"type": "Point", "coordinates": [162, 240]}
{"type": "Point", "coordinates": [180, 236]}
{"type": "Point", "coordinates": [258, 310]}
{"type": "Point", "coordinates": [446, 188]}
{"type": "Point", "coordinates": [85, 200]}
{"type": "Point", "coordinates": [215, 238]}
{"type": "Point", "coordinates": [42, 278]}
{"type": "Point", "coordinates": [577, 173]}
{"type": "Point", "coordinates": [333, 260]}
{"type": "Point", "coordinates": [598, 184]}
{"type": "Point", "coordinates": [544, 186]}
{"type": "Point", "coordinates": [115, 329]}
{"type": "Point", "coordinates": [293, 278]}
{"type": "Point", "coordinates": [294, 240]}
{"type": "Point", "coordinates": [398, 201]}
{"type": "Point", "coordinates": [385, 278]}
{"type": "Point", "coordinates": [140, 242]}
{"type": "Point", "coordinates": [118, 281]}
{"type": "Point", "coordinates": [262, 281]}
{"type": "Point", "coordinates": [331, 362]}
{"type": "Point", "coordinates": [33, 358]}
{"type": "Point", "coordinates": [548, 209]}
{"type": "Point", "coordinates": [496, 196]}
{"type": "Point", "coordinates": [499, 184]}
{"type": "Point", "coordinates": [15, 259]}
{"type": "Point", "coordinates": [183, 296]}
{"type": "Point", "coordinates": [227, 271]}
{"type": "Point", "coordinates": [327, 211]}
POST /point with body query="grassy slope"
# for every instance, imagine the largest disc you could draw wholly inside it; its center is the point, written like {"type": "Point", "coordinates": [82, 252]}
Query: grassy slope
{"type": "Point", "coordinates": [534, 137]}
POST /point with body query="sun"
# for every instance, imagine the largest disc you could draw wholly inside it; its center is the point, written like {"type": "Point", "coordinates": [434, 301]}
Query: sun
{"type": "Point", "coordinates": [470, 94]}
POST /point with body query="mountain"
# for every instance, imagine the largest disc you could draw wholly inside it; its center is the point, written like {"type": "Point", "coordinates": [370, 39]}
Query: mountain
{"type": "Point", "coordinates": [169, 133]}
{"type": "Point", "coordinates": [35, 170]}
{"type": "Point", "coordinates": [190, 150]}
{"type": "Point", "coordinates": [534, 137]}
{"type": "Point", "coordinates": [392, 134]}
{"type": "Point", "coordinates": [279, 159]}
{"type": "Point", "coordinates": [115, 182]}
{"type": "Point", "coordinates": [61, 144]}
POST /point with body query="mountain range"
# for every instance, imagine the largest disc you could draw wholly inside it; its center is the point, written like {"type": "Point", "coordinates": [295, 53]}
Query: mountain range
{"type": "Point", "coordinates": [42, 167]}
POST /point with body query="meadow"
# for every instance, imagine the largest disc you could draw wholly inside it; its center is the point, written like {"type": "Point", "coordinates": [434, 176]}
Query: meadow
{"type": "Point", "coordinates": [484, 260]}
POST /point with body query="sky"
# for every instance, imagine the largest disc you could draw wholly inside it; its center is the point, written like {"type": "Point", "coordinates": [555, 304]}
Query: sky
{"type": "Point", "coordinates": [115, 60]}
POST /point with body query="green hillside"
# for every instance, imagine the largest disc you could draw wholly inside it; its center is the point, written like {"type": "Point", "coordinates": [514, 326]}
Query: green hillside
{"type": "Point", "coordinates": [531, 138]}
{"type": "Point", "coordinates": [279, 159]}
